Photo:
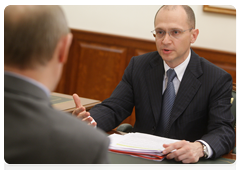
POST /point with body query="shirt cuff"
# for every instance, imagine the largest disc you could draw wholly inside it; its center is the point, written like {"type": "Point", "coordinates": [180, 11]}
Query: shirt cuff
{"type": "Point", "coordinates": [93, 122]}
{"type": "Point", "coordinates": [210, 151]}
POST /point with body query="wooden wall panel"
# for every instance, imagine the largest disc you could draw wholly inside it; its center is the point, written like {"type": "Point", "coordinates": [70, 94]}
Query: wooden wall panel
{"type": "Point", "coordinates": [101, 68]}
{"type": "Point", "coordinates": [67, 83]}
{"type": "Point", "coordinates": [97, 62]}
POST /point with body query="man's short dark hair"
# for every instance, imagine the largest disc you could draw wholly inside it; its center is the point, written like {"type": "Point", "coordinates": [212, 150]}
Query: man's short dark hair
{"type": "Point", "coordinates": [31, 34]}
{"type": "Point", "coordinates": [188, 10]}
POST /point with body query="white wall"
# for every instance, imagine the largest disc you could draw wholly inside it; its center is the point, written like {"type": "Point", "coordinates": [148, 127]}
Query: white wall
{"type": "Point", "coordinates": [217, 31]}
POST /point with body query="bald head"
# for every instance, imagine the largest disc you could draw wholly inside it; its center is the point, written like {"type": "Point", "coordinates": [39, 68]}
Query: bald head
{"type": "Point", "coordinates": [31, 34]}
{"type": "Point", "coordinates": [187, 9]}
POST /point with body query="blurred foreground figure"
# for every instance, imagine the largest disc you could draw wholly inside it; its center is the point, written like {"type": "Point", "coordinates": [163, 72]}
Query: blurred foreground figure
{"type": "Point", "coordinates": [36, 45]}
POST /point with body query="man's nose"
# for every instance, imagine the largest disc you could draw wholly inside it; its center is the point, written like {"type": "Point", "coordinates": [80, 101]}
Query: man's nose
{"type": "Point", "coordinates": [166, 39]}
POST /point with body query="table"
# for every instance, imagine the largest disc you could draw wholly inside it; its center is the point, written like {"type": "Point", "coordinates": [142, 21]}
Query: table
{"type": "Point", "coordinates": [228, 156]}
{"type": "Point", "coordinates": [66, 103]}
{"type": "Point", "coordinates": [126, 162]}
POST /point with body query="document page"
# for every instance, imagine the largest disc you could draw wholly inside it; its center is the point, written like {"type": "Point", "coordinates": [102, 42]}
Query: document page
{"type": "Point", "coordinates": [144, 141]}
{"type": "Point", "coordinates": [140, 145]}
{"type": "Point", "coordinates": [139, 142]}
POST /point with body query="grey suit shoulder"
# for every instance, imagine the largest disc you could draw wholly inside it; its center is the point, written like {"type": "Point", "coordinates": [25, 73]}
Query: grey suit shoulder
{"type": "Point", "coordinates": [36, 133]}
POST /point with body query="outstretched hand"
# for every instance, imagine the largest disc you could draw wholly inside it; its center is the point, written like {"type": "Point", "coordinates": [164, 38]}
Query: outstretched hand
{"type": "Point", "coordinates": [81, 113]}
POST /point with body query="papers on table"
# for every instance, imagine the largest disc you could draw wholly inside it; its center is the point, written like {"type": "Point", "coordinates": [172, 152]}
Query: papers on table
{"type": "Point", "coordinates": [140, 145]}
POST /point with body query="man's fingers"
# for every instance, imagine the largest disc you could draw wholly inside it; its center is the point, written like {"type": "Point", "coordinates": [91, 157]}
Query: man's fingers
{"type": "Point", "coordinates": [170, 147]}
{"type": "Point", "coordinates": [77, 100]}
{"type": "Point", "coordinates": [83, 115]}
{"type": "Point", "coordinates": [77, 111]}
{"type": "Point", "coordinates": [185, 151]}
{"type": "Point", "coordinates": [94, 124]}
{"type": "Point", "coordinates": [166, 145]}
{"type": "Point", "coordinates": [89, 120]}
{"type": "Point", "coordinates": [178, 154]}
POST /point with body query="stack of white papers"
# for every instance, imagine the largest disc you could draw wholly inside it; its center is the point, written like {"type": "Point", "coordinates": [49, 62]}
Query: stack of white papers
{"type": "Point", "coordinates": [140, 145]}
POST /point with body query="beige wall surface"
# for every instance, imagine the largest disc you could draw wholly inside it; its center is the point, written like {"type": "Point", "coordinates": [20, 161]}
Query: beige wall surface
{"type": "Point", "coordinates": [217, 31]}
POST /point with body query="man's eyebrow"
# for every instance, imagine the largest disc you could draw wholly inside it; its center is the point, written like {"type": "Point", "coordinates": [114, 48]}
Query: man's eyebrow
{"type": "Point", "coordinates": [158, 28]}
{"type": "Point", "coordinates": [174, 28]}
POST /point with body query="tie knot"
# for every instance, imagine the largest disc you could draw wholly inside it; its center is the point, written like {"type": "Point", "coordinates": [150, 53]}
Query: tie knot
{"type": "Point", "coordinates": [171, 74]}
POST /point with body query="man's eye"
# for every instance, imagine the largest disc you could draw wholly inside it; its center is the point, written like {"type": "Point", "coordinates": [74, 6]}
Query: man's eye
{"type": "Point", "coordinates": [175, 32]}
{"type": "Point", "coordinates": [160, 32]}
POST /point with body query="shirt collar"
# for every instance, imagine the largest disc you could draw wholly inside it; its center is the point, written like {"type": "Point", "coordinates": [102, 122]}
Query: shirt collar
{"type": "Point", "coordinates": [180, 69]}
{"type": "Point", "coordinates": [30, 80]}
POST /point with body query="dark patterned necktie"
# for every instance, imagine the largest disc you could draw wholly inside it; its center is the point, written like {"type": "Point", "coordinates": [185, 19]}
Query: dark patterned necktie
{"type": "Point", "coordinates": [168, 101]}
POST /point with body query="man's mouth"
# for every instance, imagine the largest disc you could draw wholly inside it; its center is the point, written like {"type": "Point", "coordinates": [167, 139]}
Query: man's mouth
{"type": "Point", "coordinates": [166, 51]}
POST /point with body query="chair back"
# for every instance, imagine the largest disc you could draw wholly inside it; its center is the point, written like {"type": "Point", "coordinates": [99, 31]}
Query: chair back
{"type": "Point", "coordinates": [234, 110]}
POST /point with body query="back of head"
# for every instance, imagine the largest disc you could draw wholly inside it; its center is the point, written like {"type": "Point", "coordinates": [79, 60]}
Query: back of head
{"type": "Point", "coordinates": [31, 34]}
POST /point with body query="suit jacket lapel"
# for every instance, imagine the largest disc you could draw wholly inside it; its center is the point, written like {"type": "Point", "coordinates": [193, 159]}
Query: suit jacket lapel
{"type": "Point", "coordinates": [188, 87]}
{"type": "Point", "coordinates": [154, 82]}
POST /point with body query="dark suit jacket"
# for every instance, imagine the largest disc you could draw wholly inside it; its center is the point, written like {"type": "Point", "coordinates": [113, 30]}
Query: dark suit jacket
{"type": "Point", "coordinates": [201, 109]}
{"type": "Point", "coordinates": [35, 133]}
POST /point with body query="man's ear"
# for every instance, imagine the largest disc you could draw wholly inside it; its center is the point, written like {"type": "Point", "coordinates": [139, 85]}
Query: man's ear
{"type": "Point", "coordinates": [64, 46]}
{"type": "Point", "coordinates": [194, 35]}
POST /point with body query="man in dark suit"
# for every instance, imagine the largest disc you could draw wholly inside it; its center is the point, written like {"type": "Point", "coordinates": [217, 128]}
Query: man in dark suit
{"type": "Point", "coordinates": [200, 111]}
{"type": "Point", "coordinates": [36, 45]}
